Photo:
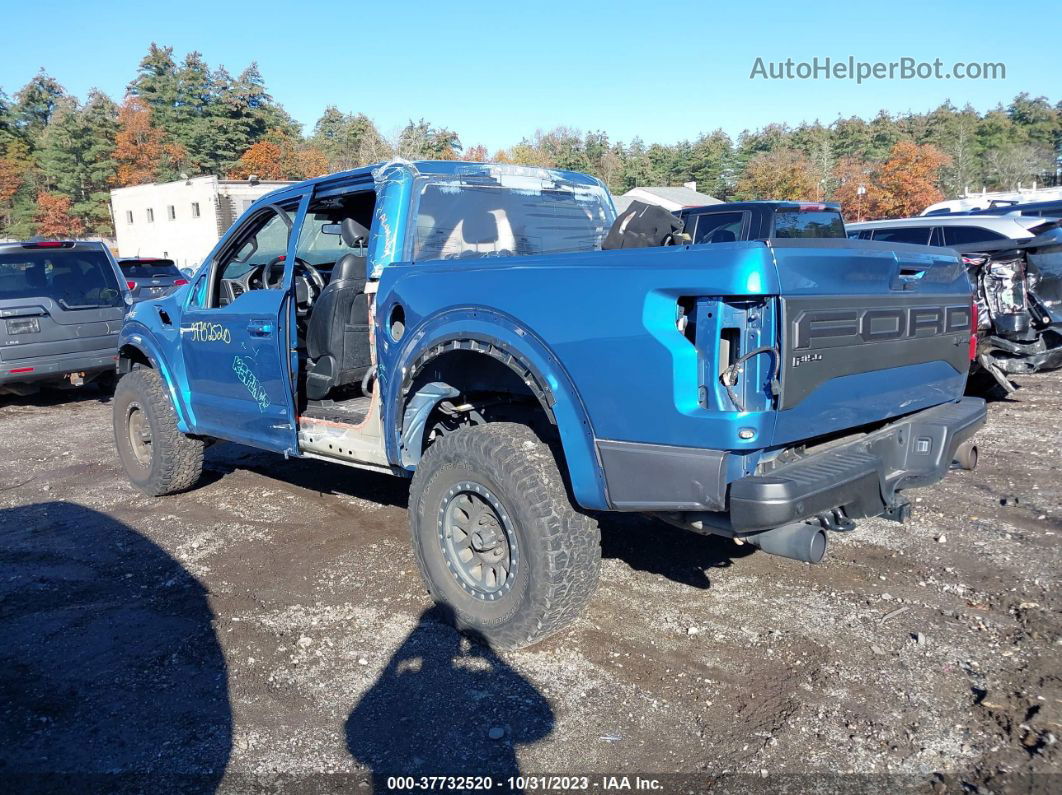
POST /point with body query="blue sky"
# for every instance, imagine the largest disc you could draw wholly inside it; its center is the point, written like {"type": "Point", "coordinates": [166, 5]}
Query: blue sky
{"type": "Point", "coordinates": [497, 71]}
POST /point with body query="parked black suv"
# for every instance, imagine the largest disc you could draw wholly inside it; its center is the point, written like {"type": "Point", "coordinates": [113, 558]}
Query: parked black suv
{"type": "Point", "coordinates": [61, 308]}
{"type": "Point", "coordinates": [148, 277]}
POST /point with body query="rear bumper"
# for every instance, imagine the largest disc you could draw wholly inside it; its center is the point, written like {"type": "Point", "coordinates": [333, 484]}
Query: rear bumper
{"type": "Point", "coordinates": [863, 476]}
{"type": "Point", "coordinates": [55, 368]}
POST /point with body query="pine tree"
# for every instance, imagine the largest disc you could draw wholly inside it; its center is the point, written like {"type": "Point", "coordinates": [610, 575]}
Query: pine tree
{"type": "Point", "coordinates": [9, 132]}
{"type": "Point", "coordinates": [347, 140]}
{"type": "Point", "coordinates": [36, 102]}
{"type": "Point", "coordinates": [710, 164]}
{"type": "Point", "coordinates": [100, 119]}
{"type": "Point", "coordinates": [156, 86]}
{"type": "Point", "coordinates": [193, 128]}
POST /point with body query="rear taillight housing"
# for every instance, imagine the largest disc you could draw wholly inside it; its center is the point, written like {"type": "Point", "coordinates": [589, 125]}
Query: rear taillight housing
{"type": "Point", "coordinates": [179, 282]}
{"type": "Point", "coordinates": [131, 285]}
{"type": "Point", "coordinates": [974, 320]}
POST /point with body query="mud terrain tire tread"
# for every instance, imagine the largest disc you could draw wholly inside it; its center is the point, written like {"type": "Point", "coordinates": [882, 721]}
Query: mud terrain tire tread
{"type": "Point", "coordinates": [177, 459]}
{"type": "Point", "coordinates": [562, 545]}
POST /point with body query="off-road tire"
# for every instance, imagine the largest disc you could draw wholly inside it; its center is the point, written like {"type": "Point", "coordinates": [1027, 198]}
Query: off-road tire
{"type": "Point", "coordinates": [560, 547]}
{"type": "Point", "coordinates": [175, 460]}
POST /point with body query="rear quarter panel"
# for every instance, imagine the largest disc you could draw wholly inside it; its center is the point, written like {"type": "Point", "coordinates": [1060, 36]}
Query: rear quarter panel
{"type": "Point", "coordinates": [601, 326]}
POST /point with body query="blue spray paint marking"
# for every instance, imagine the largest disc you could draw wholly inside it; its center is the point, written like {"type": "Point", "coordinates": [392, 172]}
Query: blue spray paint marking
{"type": "Point", "coordinates": [250, 380]}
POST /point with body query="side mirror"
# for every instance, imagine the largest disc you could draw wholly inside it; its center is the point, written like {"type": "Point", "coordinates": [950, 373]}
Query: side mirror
{"type": "Point", "coordinates": [188, 273]}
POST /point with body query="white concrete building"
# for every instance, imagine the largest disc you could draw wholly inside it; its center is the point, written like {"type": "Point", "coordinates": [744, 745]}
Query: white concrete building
{"type": "Point", "coordinates": [181, 220]}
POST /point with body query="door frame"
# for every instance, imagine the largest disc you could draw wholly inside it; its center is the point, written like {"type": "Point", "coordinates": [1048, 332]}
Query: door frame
{"type": "Point", "coordinates": [285, 319]}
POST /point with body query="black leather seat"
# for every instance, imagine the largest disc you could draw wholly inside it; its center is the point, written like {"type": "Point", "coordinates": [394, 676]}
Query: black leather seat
{"type": "Point", "coordinates": [337, 337]}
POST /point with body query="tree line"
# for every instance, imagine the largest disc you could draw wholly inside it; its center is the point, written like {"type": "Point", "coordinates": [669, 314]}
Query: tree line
{"type": "Point", "coordinates": [59, 156]}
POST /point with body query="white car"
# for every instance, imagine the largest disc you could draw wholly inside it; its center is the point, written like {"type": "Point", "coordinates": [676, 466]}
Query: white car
{"type": "Point", "coordinates": [947, 230]}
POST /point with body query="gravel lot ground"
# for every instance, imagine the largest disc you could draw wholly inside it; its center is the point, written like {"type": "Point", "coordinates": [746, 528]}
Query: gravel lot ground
{"type": "Point", "coordinates": [270, 626]}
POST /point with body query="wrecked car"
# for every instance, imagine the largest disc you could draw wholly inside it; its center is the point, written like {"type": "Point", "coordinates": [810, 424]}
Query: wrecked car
{"type": "Point", "coordinates": [1018, 285]}
{"type": "Point", "coordinates": [465, 326]}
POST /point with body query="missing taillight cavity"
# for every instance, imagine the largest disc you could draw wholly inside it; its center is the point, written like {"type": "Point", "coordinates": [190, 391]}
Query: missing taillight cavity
{"type": "Point", "coordinates": [729, 348]}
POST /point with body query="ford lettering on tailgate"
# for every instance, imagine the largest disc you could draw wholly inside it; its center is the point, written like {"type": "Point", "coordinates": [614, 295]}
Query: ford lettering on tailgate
{"type": "Point", "coordinates": [829, 339]}
{"type": "Point", "coordinates": [826, 328]}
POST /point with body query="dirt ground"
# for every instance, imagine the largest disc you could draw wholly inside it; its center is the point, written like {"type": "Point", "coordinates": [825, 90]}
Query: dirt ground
{"type": "Point", "coordinates": [269, 626]}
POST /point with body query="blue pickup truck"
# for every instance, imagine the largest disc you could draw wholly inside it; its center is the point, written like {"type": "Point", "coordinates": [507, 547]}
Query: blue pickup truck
{"type": "Point", "coordinates": [461, 325]}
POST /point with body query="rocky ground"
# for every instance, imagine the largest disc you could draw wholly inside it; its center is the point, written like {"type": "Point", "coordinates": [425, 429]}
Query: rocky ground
{"type": "Point", "coordinates": [269, 626]}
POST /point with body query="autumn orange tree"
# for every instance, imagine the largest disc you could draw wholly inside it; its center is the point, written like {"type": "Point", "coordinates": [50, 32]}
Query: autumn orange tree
{"type": "Point", "coordinates": [906, 183]}
{"type": "Point", "coordinates": [476, 154]}
{"type": "Point", "coordinates": [779, 174]}
{"type": "Point", "coordinates": [849, 175]}
{"type": "Point", "coordinates": [262, 159]}
{"type": "Point", "coordinates": [139, 146]}
{"type": "Point", "coordinates": [279, 156]}
{"type": "Point", "coordinates": [10, 180]}
{"type": "Point", "coordinates": [54, 219]}
{"type": "Point", "coordinates": [305, 162]}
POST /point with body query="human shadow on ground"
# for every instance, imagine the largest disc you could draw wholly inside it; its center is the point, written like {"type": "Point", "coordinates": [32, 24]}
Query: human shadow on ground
{"type": "Point", "coordinates": [111, 676]}
{"type": "Point", "coordinates": [445, 705]}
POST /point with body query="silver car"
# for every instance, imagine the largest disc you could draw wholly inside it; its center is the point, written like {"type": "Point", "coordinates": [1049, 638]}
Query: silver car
{"type": "Point", "coordinates": [948, 230]}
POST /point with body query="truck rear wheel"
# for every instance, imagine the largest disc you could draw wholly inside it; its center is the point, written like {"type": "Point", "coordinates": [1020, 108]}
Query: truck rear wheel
{"type": "Point", "coordinates": [496, 537]}
{"type": "Point", "coordinates": [158, 458]}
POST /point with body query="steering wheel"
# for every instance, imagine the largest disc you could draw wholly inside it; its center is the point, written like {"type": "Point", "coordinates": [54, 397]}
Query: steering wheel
{"type": "Point", "coordinates": [308, 282]}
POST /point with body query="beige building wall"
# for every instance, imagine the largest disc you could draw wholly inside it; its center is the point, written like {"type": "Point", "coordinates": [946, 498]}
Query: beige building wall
{"type": "Point", "coordinates": [181, 220]}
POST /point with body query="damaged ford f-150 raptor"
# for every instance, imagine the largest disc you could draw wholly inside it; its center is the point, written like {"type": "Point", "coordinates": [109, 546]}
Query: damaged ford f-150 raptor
{"type": "Point", "coordinates": [460, 324]}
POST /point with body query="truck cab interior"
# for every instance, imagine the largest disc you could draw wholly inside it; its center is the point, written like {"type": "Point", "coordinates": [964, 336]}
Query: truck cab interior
{"type": "Point", "coordinates": [332, 307]}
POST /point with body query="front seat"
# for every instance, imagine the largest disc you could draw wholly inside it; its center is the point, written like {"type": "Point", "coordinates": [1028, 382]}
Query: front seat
{"type": "Point", "coordinates": [337, 337]}
{"type": "Point", "coordinates": [722, 236]}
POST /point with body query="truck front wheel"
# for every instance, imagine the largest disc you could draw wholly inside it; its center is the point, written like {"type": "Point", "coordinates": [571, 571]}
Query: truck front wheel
{"type": "Point", "coordinates": [497, 538]}
{"type": "Point", "coordinates": [158, 458]}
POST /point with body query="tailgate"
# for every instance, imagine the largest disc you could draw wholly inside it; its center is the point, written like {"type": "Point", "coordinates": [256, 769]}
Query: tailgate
{"type": "Point", "coordinates": [39, 327]}
{"type": "Point", "coordinates": [869, 331]}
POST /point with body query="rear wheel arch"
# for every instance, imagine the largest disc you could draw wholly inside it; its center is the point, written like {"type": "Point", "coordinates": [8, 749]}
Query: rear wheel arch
{"type": "Point", "coordinates": [545, 400]}
{"type": "Point", "coordinates": [463, 369]}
